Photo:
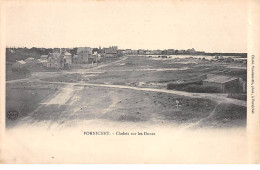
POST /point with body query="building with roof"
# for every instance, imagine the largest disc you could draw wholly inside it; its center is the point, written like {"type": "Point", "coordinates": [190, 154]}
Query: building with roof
{"type": "Point", "coordinates": [43, 62]}
{"type": "Point", "coordinates": [53, 60]}
{"type": "Point", "coordinates": [134, 52]}
{"type": "Point", "coordinates": [84, 53]}
{"type": "Point", "coordinates": [96, 57]}
{"type": "Point", "coordinates": [31, 61]}
{"type": "Point", "coordinates": [111, 51]}
{"type": "Point", "coordinates": [75, 59]}
{"type": "Point", "coordinates": [141, 51]}
{"type": "Point", "coordinates": [170, 51]}
{"type": "Point", "coordinates": [121, 51]}
{"type": "Point", "coordinates": [147, 52]}
{"type": "Point", "coordinates": [240, 60]}
{"type": "Point", "coordinates": [225, 84]}
{"type": "Point", "coordinates": [128, 51]}
{"type": "Point", "coordinates": [44, 57]}
{"type": "Point", "coordinates": [65, 59]}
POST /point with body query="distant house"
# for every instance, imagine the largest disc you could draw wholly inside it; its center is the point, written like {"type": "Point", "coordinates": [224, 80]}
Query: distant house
{"type": "Point", "coordinates": [75, 59]}
{"type": "Point", "coordinates": [170, 51]}
{"type": "Point", "coordinates": [225, 84]}
{"type": "Point", "coordinates": [134, 52]}
{"type": "Point", "coordinates": [18, 65]}
{"type": "Point", "coordinates": [164, 52]}
{"type": "Point", "coordinates": [111, 51]}
{"type": "Point", "coordinates": [31, 61]}
{"type": "Point", "coordinates": [84, 53]}
{"type": "Point", "coordinates": [213, 59]}
{"type": "Point", "coordinates": [121, 52]}
{"type": "Point", "coordinates": [43, 62]}
{"type": "Point", "coordinates": [128, 51]}
{"type": "Point", "coordinates": [56, 54]}
{"type": "Point", "coordinates": [96, 57]}
{"type": "Point", "coordinates": [240, 60]}
{"type": "Point", "coordinates": [158, 52]}
{"type": "Point", "coordinates": [181, 51]}
{"type": "Point", "coordinates": [229, 59]}
{"type": "Point", "coordinates": [53, 61]}
{"type": "Point", "coordinates": [148, 52]}
{"type": "Point", "coordinates": [39, 61]}
{"type": "Point", "coordinates": [44, 57]}
{"type": "Point", "coordinates": [141, 52]}
{"type": "Point", "coordinates": [191, 51]}
{"type": "Point", "coordinates": [59, 59]}
{"type": "Point", "coordinates": [66, 59]}
{"type": "Point", "coordinates": [65, 50]}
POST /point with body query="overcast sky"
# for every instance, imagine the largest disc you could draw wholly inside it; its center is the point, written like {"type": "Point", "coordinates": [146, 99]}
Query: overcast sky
{"type": "Point", "coordinates": [212, 26]}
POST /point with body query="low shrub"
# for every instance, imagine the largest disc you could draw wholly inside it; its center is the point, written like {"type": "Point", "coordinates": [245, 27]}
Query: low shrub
{"type": "Point", "coordinates": [194, 87]}
{"type": "Point", "coordinates": [201, 89]}
{"type": "Point", "coordinates": [171, 86]}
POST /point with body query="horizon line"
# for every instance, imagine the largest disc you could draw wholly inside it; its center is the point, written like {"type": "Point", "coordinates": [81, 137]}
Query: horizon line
{"type": "Point", "coordinates": [119, 48]}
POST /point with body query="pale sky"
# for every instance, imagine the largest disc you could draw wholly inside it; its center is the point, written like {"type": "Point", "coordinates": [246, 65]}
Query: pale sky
{"type": "Point", "coordinates": [212, 26]}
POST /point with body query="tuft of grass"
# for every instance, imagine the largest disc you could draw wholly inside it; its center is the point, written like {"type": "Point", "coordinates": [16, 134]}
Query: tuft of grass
{"type": "Point", "coordinates": [230, 112]}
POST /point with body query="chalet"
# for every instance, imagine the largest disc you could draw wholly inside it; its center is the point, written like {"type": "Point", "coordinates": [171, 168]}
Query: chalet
{"type": "Point", "coordinates": [128, 51]}
{"type": "Point", "coordinates": [181, 51]}
{"type": "Point", "coordinates": [191, 51]}
{"type": "Point", "coordinates": [164, 52]}
{"type": "Point", "coordinates": [157, 52]}
{"type": "Point", "coordinates": [91, 58]}
{"type": "Point", "coordinates": [170, 51]}
{"type": "Point", "coordinates": [75, 59]}
{"type": "Point", "coordinates": [96, 57]}
{"type": "Point", "coordinates": [121, 52]}
{"type": "Point", "coordinates": [134, 52]}
{"type": "Point", "coordinates": [66, 60]}
{"type": "Point", "coordinates": [84, 53]}
{"type": "Point", "coordinates": [53, 61]}
{"type": "Point", "coordinates": [240, 60]}
{"type": "Point", "coordinates": [147, 52]}
{"type": "Point", "coordinates": [56, 54]}
{"type": "Point", "coordinates": [42, 62]}
{"type": "Point", "coordinates": [229, 59]}
{"type": "Point", "coordinates": [141, 52]}
{"type": "Point", "coordinates": [68, 57]}
{"type": "Point", "coordinates": [44, 57]}
{"type": "Point", "coordinates": [225, 84]}
{"type": "Point", "coordinates": [111, 51]}
{"type": "Point", "coordinates": [65, 50]}
{"type": "Point", "coordinates": [31, 61]}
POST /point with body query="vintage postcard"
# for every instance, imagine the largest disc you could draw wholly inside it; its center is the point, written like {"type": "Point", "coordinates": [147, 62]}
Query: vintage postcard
{"type": "Point", "coordinates": [139, 82]}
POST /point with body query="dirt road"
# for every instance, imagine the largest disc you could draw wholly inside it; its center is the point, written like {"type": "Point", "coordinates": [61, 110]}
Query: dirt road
{"type": "Point", "coordinates": [77, 103]}
{"type": "Point", "coordinates": [69, 103]}
{"type": "Point", "coordinates": [211, 96]}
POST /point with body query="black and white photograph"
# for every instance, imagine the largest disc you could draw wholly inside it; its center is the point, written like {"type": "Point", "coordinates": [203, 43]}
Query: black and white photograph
{"type": "Point", "coordinates": [126, 81]}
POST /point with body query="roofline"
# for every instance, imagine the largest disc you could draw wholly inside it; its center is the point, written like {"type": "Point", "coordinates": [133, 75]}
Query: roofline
{"type": "Point", "coordinates": [233, 78]}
